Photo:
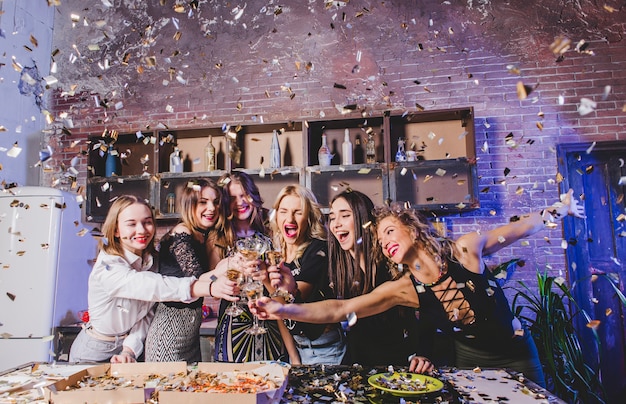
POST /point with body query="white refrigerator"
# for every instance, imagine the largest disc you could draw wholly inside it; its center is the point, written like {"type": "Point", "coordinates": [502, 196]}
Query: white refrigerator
{"type": "Point", "coordinates": [46, 255]}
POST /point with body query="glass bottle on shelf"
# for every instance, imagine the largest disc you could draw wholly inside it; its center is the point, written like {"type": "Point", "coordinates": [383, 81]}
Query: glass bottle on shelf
{"type": "Point", "coordinates": [400, 154]}
{"type": "Point", "coordinates": [323, 155]}
{"type": "Point", "coordinates": [370, 149]}
{"type": "Point", "coordinates": [209, 155]}
{"type": "Point", "coordinates": [346, 149]}
{"type": "Point", "coordinates": [111, 164]}
{"type": "Point", "coordinates": [359, 157]}
{"type": "Point", "coordinates": [275, 151]}
{"type": "Point", "coordinates": [176, 164]}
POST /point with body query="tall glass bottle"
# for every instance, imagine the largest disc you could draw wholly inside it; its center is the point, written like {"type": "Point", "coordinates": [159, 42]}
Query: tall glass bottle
{"type": "Point", "coordinates": [346, 149]}
{"type": "Point", "coordinates": [323, 155]}
{"type": "Point", "coordinates": [370, 149]}
{"type": "Point", "coordinates": [112, 163]}
{"type": "Point", "coordinates": [176, 164]}
{"type": "Point", "coordinates": [209, 155]}
{"type": "Point", "coordinates": [275, 151]}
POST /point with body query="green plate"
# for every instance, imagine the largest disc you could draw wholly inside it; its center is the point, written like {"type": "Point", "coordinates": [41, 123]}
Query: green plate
{"type": "Point", "coordinates": [405, 384]}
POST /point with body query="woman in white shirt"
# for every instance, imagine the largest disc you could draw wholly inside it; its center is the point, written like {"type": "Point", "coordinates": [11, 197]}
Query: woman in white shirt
{"type": "Point", "coordinates": [123, 286]}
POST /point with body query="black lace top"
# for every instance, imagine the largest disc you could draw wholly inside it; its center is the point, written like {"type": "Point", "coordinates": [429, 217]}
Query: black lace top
{"type": "Point", "coordinates": [181, 255]}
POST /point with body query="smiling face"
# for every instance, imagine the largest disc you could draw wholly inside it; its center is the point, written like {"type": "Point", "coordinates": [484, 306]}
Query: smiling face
{"type": "Point", "coordinates": [135, 228]}
{"type": "Point", "coordinates": [395, 239]}
{"type": "Point", "coordinates": [341, 224]}
{"type": "Point", "coordinates": [239, 202]}
{"type": "Point", "coordinates": [207, 209]}
{"type": "Point", "coordinates": [291, 220]}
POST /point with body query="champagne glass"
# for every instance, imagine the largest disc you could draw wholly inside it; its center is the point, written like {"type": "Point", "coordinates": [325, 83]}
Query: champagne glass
{"type": "Point", "coordinates": [252, 248]}
{"type": "Point", "coordinates": [235, 275]}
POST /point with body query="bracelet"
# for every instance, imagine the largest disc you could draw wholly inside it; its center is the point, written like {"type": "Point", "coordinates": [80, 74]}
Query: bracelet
{"type": "Point", "coordinates": [213, 278]}
{"type": "Point", "coordinates": [289, 298]}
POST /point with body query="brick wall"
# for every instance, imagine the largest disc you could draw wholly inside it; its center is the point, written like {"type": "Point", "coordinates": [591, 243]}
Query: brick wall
{"type": "Point", "coordinates": [465, 61]}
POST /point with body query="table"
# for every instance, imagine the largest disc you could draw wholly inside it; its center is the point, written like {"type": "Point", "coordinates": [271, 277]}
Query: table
{"type": "Point", "coordinates": [328, 384]}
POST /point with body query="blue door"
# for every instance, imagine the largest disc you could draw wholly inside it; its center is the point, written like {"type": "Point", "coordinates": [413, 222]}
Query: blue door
{"type": "Point", "coordinates": [597, 246]}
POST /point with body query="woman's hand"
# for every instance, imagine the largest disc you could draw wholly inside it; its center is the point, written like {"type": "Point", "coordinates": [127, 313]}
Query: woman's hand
{"type": "Point", "coordinates": [265, 308]}
{"type": "Point", "coordinates": [420, 364]}
{"type": "Point", "coordinates": [126, 356]}
{"type": "Point", "coordinates": [281, 278]}
{"type": "Point", "coordinates": [574, 207]}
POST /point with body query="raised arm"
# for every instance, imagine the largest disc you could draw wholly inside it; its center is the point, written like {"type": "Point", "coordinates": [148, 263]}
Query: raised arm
{"type": "Point", "coordinates": [475, 245]}
{"type": "Point", "coordinates": [393, 293]}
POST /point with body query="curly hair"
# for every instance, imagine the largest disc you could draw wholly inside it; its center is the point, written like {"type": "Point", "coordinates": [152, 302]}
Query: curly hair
{"type": "Point", "coordinates": [425, 235]}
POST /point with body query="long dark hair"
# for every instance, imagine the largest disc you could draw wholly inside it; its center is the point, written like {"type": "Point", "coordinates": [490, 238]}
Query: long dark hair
{"type": "Point", "coordinates": [346, 276]}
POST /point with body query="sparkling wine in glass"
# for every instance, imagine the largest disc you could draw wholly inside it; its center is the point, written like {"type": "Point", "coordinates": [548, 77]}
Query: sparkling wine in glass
{"type": "Point", "coordinates": [236, 276]}
{"type": "Point", "coordinates": [253, 291]}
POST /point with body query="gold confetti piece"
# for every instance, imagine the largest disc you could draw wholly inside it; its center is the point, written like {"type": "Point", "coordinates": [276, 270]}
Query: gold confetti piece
{"type": "Point", "coordinates": [593, 324]}
{"type": "Point", "coordinates": [560, 45]}
{"type": "Point", "coordinates": [609, 8]}
{"type": "Point", "coordinates": [539, 125]}
{"type": "Point", "coordinates": [366, 225]}
{"type": "Point", "coordinates": [6, 335]}
{"type": "Point", "coordinates": [522, 94]}
{"type": "Point", "coordinates": [440, 172]}
{"type": "Point", "coordinates": [608, 312]}
{"type": "Point", "coordinates": [45, 246]}
{"type": "Point", "coordinates": [364, 171]}
{"type": "Point", "coordinates": [47, 338]}
{"type": "Point", "coordinates": [519, 190]}
{"type": "Point", "coordinates": [476, 370]}
{"type": "Point", "coordinates": [82, 232]}
{"type": "Point", "coordinates": [559, 178]}
{"type": "Point", "coordinates": [20, 253]}
{"type": "Point", "coordinates": [428, 178]}
{"type": "Point", "coordinates": [11, 296]}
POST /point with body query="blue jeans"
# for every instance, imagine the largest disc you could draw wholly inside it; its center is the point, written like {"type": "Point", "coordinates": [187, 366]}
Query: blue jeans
{"type": "Point", "coordinates": [328, 349]}
{"type": "Point", "coordinates": [86, 348]}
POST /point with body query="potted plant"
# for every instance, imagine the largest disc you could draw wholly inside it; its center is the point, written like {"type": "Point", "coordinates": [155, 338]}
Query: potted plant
{"type": "Point", "coordinates": [549, 312]}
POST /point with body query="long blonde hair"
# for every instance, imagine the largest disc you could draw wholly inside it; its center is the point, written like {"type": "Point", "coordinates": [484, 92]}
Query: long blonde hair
{"type": "Point", "coordinates": [112, 244]}
{"type": "Point", "coordinates": [311, 210]}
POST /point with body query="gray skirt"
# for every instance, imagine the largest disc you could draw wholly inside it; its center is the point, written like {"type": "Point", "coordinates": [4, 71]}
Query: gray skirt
{"type": "Point", "coordinates": [174, 335]}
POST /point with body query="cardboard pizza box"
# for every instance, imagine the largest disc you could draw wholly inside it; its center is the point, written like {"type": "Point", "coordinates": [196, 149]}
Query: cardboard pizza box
{"type": "Point", "coordinates": [129, 386]}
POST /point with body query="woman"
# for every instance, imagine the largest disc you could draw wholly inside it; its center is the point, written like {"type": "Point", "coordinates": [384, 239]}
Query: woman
{"type": "Point", "coordinates": [446, 280]}
{"type": "Point", "coordinates": [298, 229]}
{"type": "Point", "coordinates": [390, 337]}
{"type": "Point", "coordinates": [246, 217]}
{"type": "Point", "coordinates": [123, 286]}
{"type": "Point", "coordinates": [174, 334]}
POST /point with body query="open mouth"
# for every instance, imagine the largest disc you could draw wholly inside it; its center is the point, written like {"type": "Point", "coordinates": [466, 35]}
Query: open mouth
{"type": "Point", "coordinates": [209, 217]}
{"type": "Point", "coordinates": [392, 250]}
{"type": "Point", "coordinates": [140, 239]}
{"type": "Point", "coordinates": [342, 236]}
{"type": "Point", "coordinates": [243, 209]}
{"type": "Point", "coordinates": [290, 230]}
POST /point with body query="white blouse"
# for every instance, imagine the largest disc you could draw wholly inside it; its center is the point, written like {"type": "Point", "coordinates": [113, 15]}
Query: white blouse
{"type": "Point", "coordinates": [122, 293]}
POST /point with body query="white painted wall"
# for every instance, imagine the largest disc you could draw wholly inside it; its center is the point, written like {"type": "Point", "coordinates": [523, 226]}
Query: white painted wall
{"type": "Point", "coordinates": [21, 118]}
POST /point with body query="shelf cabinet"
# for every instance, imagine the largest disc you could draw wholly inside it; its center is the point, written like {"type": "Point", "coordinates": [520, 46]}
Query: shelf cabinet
{"type": "Point", "coordinates": [442, 176]}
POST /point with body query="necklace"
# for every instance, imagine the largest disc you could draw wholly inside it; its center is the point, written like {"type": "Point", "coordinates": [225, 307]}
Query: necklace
{"type": "Point", "coordinates": [436, 281]}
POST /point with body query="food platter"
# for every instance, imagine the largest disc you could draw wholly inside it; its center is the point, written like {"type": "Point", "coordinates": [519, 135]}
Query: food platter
{"type": "Point", "coordinates": [405, 384]}
{"type": "Point", "coordinates": [10, 383]}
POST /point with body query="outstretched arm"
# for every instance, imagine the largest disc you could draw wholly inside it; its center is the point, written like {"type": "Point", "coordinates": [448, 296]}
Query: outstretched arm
{"type": "Point", "coordinates": [475, 245]}
{"type": "Point", "coordinates": [392, 293]}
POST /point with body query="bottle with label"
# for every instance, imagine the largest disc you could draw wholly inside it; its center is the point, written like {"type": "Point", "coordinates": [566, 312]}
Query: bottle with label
{"type": "Point", "coordinates": [370, 149]}
{"type": "Point", "coordinates": [275, 151]}
{"type": "Point", "coordinates": [346, 149]}
{"type": "Point", "coordinates": [209, 155]}
{"type": "Point", "coordinates": [112, 163]}
{"type": "Point", "coordinates": [323, 155]}
{"type": "Point", "coordinates": [359, 153]}
{"type": "Point", "coordinates": [400, 154]}
{"type": "Point", "coordinates": [176, 164]}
